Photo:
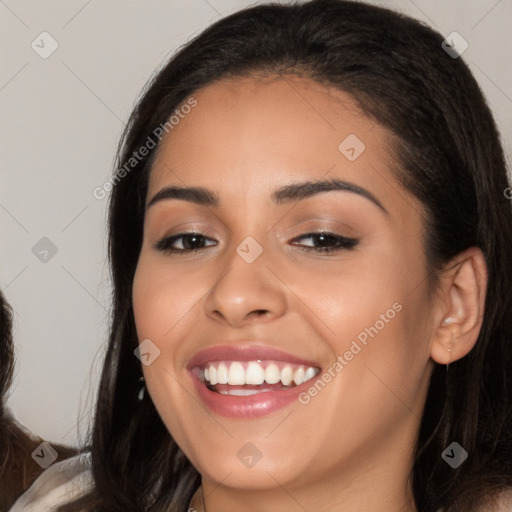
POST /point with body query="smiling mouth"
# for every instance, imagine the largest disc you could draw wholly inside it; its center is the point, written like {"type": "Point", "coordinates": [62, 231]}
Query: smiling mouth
{"type": "Point", "coordinates": [244, 378]}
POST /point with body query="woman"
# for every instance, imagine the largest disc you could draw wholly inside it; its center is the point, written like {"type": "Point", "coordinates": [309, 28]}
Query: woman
{"type": "Point", "coordinates": [310, 249]}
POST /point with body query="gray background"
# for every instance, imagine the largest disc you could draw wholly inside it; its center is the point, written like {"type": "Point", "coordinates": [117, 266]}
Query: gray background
{"type": "Point", "coordinates": [61, 118]}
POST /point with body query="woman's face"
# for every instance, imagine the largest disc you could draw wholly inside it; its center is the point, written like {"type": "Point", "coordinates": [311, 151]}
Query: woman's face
{"type": "Point", "coordinates": [356, 318]}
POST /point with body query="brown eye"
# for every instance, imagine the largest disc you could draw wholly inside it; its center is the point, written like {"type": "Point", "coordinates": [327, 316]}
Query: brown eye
{"type": "Point", "coordinates": [327, 242]}
{"type": "Point", "coordinates": [190, 242]}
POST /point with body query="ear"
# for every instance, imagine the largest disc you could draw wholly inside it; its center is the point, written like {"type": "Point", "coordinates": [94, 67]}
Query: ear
{"type": "Point", "coordinates": [459, 306]}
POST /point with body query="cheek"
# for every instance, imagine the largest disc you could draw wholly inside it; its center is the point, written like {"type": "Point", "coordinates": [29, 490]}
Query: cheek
{"type": "Point", "coordinates": [158, 304]}
{"type": "Point", "coordinates": [160, 299]}
{"type": "Point", "coordinates": [351, 297]}
{"type": "Point", "coordinates": [148, 305]}
{"type": "Point", "coordinates": [373, 314]}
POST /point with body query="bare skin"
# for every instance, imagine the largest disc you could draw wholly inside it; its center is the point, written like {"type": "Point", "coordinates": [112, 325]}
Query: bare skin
{"type": "Point", "coordinates": [350, 447]}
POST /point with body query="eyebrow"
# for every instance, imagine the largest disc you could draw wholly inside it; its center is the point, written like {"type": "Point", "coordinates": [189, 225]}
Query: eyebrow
{"type": "Point", "coordinates": [286, 194]}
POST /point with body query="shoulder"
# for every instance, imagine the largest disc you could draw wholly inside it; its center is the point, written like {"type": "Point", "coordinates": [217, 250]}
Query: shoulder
{"type": "Point", "coordinates": [61, 482]}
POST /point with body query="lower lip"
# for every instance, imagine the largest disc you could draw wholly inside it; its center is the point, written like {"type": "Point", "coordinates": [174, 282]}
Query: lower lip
{"type": "Point", "coordinates": [252, 406]}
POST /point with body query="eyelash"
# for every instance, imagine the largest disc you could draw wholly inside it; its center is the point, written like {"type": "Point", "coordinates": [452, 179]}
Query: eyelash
{"type": "Point", "coordinates": [343, 242]}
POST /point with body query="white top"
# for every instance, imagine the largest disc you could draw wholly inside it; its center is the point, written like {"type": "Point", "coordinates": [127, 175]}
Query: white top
{"type": "Point", "coordinates": [72, 477]}
{"type": "Point", "coordinates": [59, 483]}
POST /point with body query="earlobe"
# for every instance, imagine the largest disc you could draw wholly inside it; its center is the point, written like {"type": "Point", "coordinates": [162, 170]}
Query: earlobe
{"type": "Point", "coordinates": [460, 305]}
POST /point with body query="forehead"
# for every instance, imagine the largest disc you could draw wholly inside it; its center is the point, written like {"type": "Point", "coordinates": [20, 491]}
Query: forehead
{"type": "Point", "coordinates": [271, 116]}
{"type": "Point", "coordinates": [252, 134]}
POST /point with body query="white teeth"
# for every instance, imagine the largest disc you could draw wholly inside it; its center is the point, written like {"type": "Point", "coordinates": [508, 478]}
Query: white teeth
{"type": "Point", "coordinates": [236, 375]}
{"type": "Point", "coordinates": [286, 375]}
{"type": "Point", "coordinates": [298, 376]}
{"type": "Point", "coordinates": [272, 374]}
{"type": "Point", "coordinates": [222, 374]}
{"type": "Point", "coordinates": [242, 392]}
{"type": "Point", "coordinates": [254, 375]}
{"type": "Point", "coordinates": [213, 375]}
{"type": "Point", "coordinates": [310, 373]}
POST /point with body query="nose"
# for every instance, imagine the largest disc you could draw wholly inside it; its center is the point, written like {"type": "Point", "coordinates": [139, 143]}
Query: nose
{"type": "Point", "coordinates": [246, 293]}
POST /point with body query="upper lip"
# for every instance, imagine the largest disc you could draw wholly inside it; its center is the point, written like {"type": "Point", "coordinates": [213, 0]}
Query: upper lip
{"type": "Point", "coordinates": [252, 351]}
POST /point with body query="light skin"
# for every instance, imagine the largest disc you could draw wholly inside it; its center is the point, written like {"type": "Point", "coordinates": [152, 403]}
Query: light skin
{"type": "Point", "coordinates": [350, 448]}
